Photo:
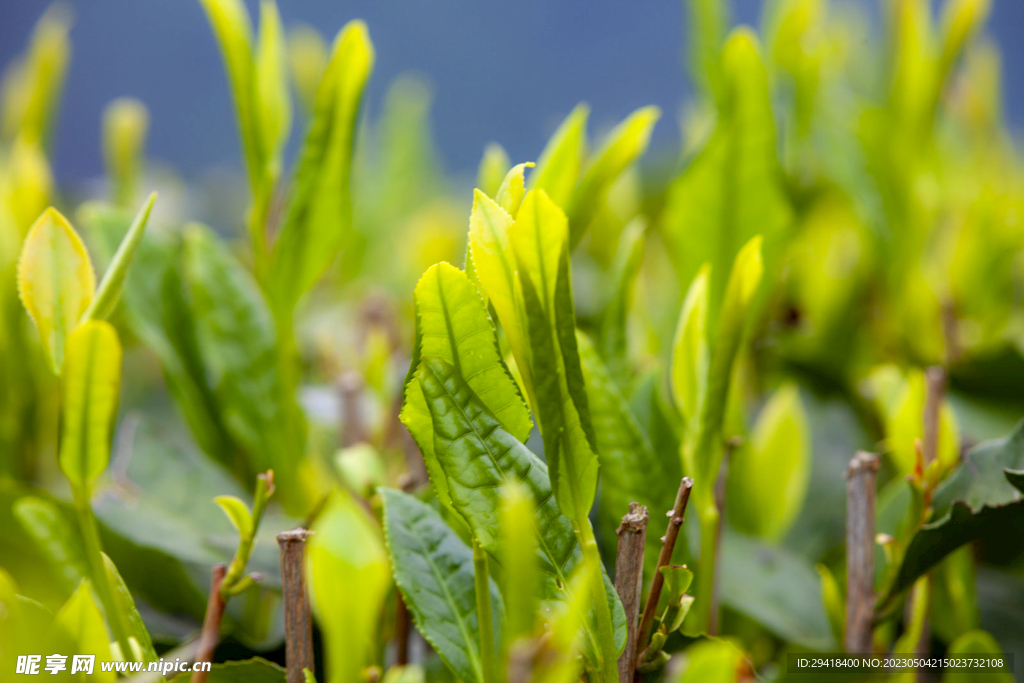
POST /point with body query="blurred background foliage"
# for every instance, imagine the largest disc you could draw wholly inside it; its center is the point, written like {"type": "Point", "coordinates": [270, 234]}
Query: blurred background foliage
{"type": "Point", "coordinates": [870, 148]}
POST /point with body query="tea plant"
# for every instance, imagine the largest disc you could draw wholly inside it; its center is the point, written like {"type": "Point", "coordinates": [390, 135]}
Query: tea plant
{"type": "Point", "coordinates": [461, 435]}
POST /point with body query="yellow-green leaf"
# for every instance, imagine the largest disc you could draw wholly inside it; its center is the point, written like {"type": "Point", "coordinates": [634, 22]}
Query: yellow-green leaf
{"type": "Point", "coordinates": [690, 350]}
{"type": "Point", "coordinates": [79, 629]}
{"type": "Point", "coordinates": [55, 281]}
{"type": "Point", "coordinates": [320, 210]}
{"type": "Point", "coordinates": [348, 580]}
{"type": "Point", "coordinates": [91, 380]}
{"type": "Point", "coordinates": [510, 193]}
{"type": "Point", "coordinates": [307, 59]}
{"type": "Point", "coordinates": [231, 24]}
{"type": "Point", "coordinates": [238, 513]}
{"type": "Point", "coordinates": [109, 290]}
{"type": "Point", "coordinates": [768, 477]}
{"type": "Point", "coordinates": [624, 145]}
{"type": "Point", "coordinates": [559, 166]}
{"type": "Point", "coordinates": [272, 95]}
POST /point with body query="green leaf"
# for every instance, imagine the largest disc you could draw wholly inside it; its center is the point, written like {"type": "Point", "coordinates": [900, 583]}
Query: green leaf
{"type": "Point", "coordinates": [540, 242]}
{"type": "Point", "coordinates": [733, 189]}
{"type": "Point", "coordinates": [91, 383]}
{"type": "Point", "coordinates": [974, 644]}
{"type": "Point", "coordinates": [904, 424]}
{"type": "Point", "coordinates": [708, 21]}
{"type": "Point", "coordinates": [630, 470]}
{"type": "Point", "coordinates": [273, 98]}
{"type": "Point", "coordinates": [835, 605]}
{"type": "Point", "coordinates": [345, 552]}
{"type": "Point", "coordinates": [433, 569]}
{"type": "Point", "coordinates": [710, 661]}
{"type": "Point", "coordinates": [768, 477]}
{"type": "Point", "coordinates": [238, 513]}
{"type": "Point", "coordinates": [55, 281]}
{"type": "Point", "coordinates": [493, 167]}
{"type": "Point", "coordinates": [125, 604]}
{"type": "Point", "coordinates": [983, 493]}
{"type": "Point", "coordinates": [79, 628]}
{"type": "Point", "coordinates": [624, 145]}
{"type": "Point", "coordinates": [320, 209]}
{"type": "Point", "coordinates": [777, 589]}
{"type": "Point", "coordinates": [453, 324]}
{"type": "Point", "coordinates": [559, 166]}
{"type": "Point", "coordinates": [56, 536]}
{"type": "Point", "coordinates": [237, 345]}
{"type": "Point", "coordinates": [255, 670]}
{"type": "Point", "coordinates": [230, 22]}
{"type": "Point", "coordinates": [307, 59]}
{"type": "Point", "coordinates": [732, 320]}
{"type": "Point", "coordinates": [478, 457]}
{"type": "Point", "coordinates": [109, 290]}
{"type": "Point", "coordinates": [494, 267]}
{"type": "Point", "coordinates": [510, 193]}
{"type": "Point", "coordinates": [613, 330]}
{"type": "Point", "coordinates": [519, 560]}
{"type": "Point", "coordinates": [690, 351]}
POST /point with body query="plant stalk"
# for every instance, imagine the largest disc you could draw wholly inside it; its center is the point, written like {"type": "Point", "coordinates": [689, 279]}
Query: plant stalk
{"type": "Point", "coordinates": [629, 580]}
{"type": "Point", "coordinates": [668, 546]}
{"type": "Point", "coordinates": [100, 579]}
{"type": "Point", "coordinates": [605, 630]}
{"type": "Point", "coordinates": [861, 479]}
{"type": "Point", "coordinates": [485, 620]}
{"type": "Point", "coordinates": [298, 625]}
{"type": "Point", "coordinates": [210, 635]}
{"type": "Point", "coordinates": [705, 598]}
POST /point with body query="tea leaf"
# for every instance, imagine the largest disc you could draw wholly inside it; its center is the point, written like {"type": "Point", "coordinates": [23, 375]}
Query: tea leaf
{"type": "Point", "coordinates": [625, 144]}
{"type": "Point", "coordinates": [690, 351]}
{"type": "Point", "coordinates": [494, 267]}
{"type": "Point", "coordinates": [510, 193]}
{"type": "Point", "coordinates": [630, 470]}
{"type": "Point", "coordinates": [776, 588]}
{"type": "Point", "coordinates": [271, 84]}
{"type": "Point", "coordinates": [983, 493]}
{"type": "Point", "coordinates": [237, 345]}
{"type": "Point", "coordinates": [477, 457]}
{"type": "Point", "coordinates": [91, 382]}
{"type": "Point", "coordinates": [320, 209]}
{"type": "Point", "coordinates": [613, 330]}
{"type": "Point", "coordinates": [109, 290]}
{"type": "Point", "coordinates": [125, 604]}
{"type": "Point", "coordinates": [540, 241]}
{"type": "Point", "coordinates": [55, 281]}
{"type": "Point", "coordinates": [733, 189]}
{"type": "Point", "coordinates": [454, 325]}
{"type": "Point", "coordinates": [55, 536]}
{"type": "Point", "coordinates": [516, 521]}
{"type": "Point", "coordinates": [79, 628]}
{"type": "Point", "coordinates": [434, 570]}
{"type": "Point", "coordinates": [238, 513]}
{"type": "Point", "coordinates": [558, 168]}
{"type": "Point", "coordinates": [230, 22]}
{"type": "Point", "coordinates": [973, 644]}
{"type": "Point", "coordinates": [708, 21]}
{"type": "Point", "coordinates": [255, 670]}
{"type": "Point", "coordinates": [345, 552]}
{"type": "Point", "coordinates": [710, 661]}
{"type": "Point", "coordinates": [768, 478]}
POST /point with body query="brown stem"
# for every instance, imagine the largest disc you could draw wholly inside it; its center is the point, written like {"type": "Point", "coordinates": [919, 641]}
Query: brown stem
{"type": "Point", "coordinates": [210, 635]}
{"type": "Point", "coordinates": [861, 481]}
{"type": "Point", "coordinates": [935, 387]}
{"type": "Point", "coordinates": [298, 625]}
{"type": "Point", "coordinates": [629, 580]}
{"type": "Point", "coordinates": [664, 559]}
{"type": "Point", "coordinates": [403, 626]}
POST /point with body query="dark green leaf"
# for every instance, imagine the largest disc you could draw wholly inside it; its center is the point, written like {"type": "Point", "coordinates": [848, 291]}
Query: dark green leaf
{"type": "Point", "coordinates": [434, 570]}
{"type": "Point", "coordinates": [984, 492]}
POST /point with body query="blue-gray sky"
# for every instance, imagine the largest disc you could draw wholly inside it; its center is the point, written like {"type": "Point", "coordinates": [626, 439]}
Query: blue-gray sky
{"type": "Point", "coordinates": [499, 70]}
